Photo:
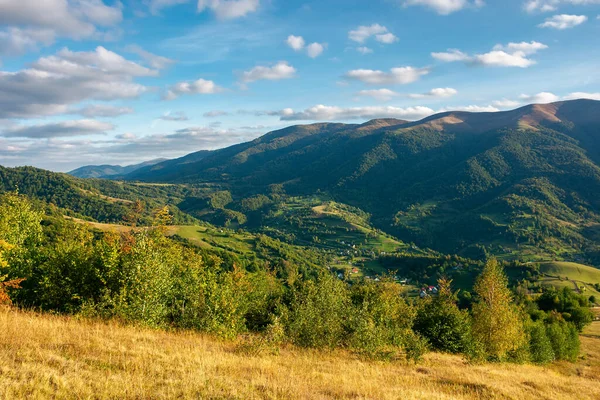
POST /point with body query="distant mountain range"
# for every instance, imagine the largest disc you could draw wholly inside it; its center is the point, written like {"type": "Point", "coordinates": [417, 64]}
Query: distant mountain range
{"type": "Point", "coordinates": [109, 171]}
{"type": "Point", "coordinates": [448, 181]}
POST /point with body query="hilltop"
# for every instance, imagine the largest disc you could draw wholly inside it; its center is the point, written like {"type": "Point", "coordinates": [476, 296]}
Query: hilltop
{"type": "Point", "coordinates": [523, 181]}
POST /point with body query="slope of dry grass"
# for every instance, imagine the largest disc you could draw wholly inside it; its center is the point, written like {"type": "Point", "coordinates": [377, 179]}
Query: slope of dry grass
{"type": "Point", "coordinates": [57, 357]}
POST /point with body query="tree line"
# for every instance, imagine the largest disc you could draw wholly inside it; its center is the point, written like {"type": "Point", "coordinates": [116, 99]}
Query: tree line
{"type": "Point", "coordinates": [142, 276]}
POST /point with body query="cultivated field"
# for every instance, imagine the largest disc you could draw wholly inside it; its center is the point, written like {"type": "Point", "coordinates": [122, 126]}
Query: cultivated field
{"type": "Point", "coordinates": [58, 357]}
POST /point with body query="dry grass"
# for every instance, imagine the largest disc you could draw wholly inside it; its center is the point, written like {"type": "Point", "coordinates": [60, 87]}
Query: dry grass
{"type": "Point", "coordinates": [56, 357]}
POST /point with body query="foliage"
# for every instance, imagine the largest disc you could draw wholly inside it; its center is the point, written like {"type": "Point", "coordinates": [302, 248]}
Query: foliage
{"type": "Point", "coordinates": [439, 320]}
{"type": "Point", "coordinates": [497, 324]}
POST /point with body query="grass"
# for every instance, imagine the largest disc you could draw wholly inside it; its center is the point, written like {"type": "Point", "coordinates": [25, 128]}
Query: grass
{"type": "Point", "coordinates": [573, 271]}
{"type": "Point", "coordinates": [59, 357]}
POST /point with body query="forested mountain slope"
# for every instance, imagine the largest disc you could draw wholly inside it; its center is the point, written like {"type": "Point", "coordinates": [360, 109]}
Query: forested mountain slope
{"type": "Point", "coordinates": [526, 176]}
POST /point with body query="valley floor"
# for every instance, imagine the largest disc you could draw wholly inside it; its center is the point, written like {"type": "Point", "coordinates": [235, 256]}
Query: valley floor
{"type": "Point", "coordinates": [45, 356]}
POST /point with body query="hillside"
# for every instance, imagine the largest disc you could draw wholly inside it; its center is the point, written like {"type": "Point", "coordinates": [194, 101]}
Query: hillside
{"type": "Point", "coordinates": [106, 360]}
{"type": "Point", "coordinates": [518, 182]}
{"type": "Point", "coordinates": [107, 171]}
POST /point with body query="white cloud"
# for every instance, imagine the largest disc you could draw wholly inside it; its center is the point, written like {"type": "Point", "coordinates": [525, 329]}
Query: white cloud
{"type": "Point", "coordinates": [444, 7]}
{"type": "Point", "coordinates": [101, 110]}
{"type": "Point", "coordinates": [396, 76]}
{"type": "Point", "coordinates": [53, 83]}
{"type": "Point", "coordinates": [314, 50]}
{"type": "Point", "coordinates": [379, 94]}
{"type": "Point", "coordinates": [59, 129]}
{"type": "Point", "coordinates": [526, 48]}
{"type": "Point", "coordinates": [33, 22]}
{"type": "Point", "coordinates": [362, 33]}
{"type": "Point", "coordinates": [582, 95]}
{"type": "Point", "coordinates": [153, 60]}
{"type": "Point", "coordinates": [387, 38]}
{"type": "Point", "coordinates": [281, 70]}
{"type": "Point", "coordinates": [553, 5]}
{"type": "Point", "coordinates": [332, 113]}
{"type": "Point", "coordinates": [563, 21]}
{"type": "Point", "coordinates": [381, 34]}
{"type": "Point", "coordinates": [229, 9]}
{"type": "Point", "coordinates": [200, 86]}
{"type": "Point", "coordinates": [436, 93]}
{"type": "Point", "coordinates": [364, 50]}
{"type": "Point", "coordinates": [472, 108]}
{"type": "Point", "coordinates": [174, 116]}
{"type": "Point", "coordinates": [16, 41]}
{"type": "Point", "coordinates": [451, 55]}
{"type": "Point", "coordinates": [510, 55]}
{"type": "Point", "coordinates": [499, 58]}
{"type": "Point", "coordinates": [506, 103]}
{"type": "Point", "coordinates": [295, 42]}
{"type": "Point", "coordinates": [543, 98]}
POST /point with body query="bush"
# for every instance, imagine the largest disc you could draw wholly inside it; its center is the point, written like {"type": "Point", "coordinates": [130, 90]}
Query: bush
{"type": "Point", "coordinates": [439, 320]}
{"type": "Point", "coordinates": [318, 312]}
{"type": "Point", "coordinates": [540, 346]}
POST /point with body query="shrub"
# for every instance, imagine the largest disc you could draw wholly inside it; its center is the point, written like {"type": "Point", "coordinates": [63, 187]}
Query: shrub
{"type": "Point", "coordinates": [439, 320]}
{"type": "Point", "coordinates": [540, 346]}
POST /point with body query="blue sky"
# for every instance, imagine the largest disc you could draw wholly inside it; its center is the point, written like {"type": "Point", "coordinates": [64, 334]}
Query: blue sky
{"type": "Point", "coordinates": [105, 82]}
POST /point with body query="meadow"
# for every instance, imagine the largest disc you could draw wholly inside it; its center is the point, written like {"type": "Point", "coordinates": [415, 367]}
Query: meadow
{"type": "Point", "coordinates": [62, 357]}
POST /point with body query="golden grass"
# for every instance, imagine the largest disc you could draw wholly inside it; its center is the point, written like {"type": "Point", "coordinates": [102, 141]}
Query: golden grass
{"type": "Point", "coordinates": [58, 357]}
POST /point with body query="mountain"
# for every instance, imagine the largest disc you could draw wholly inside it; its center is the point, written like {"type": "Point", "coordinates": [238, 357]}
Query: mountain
{"type": "Point", "coordinates": [108, 171]}
{"type": "Point", "coordinates": [454, 181]}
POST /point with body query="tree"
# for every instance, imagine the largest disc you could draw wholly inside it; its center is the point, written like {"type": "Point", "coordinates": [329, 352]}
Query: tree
{"type": "Point", "coordinates": [497, 324]}
{"type": "Point", "coordinates": [441, 322]}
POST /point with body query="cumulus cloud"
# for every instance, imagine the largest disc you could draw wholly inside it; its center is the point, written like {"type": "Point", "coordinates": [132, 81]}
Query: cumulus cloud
{"type": "Point", "coordinates": [229, 9]}
{"type": "Point", "coordinates": [506, 103]}
{"type": "Point", "coordinates": [435, 93]}
{"type": "Point", "coordinates": [281, 70]}
{"type": "Point", "coordinates": [313, 50]}
{"type": "Point", "coordinates": [387, 38]}
{"type": "Point", "coordinates": [16, 41]}
{"type": "Point", "coordinates": [59, 129]}
{"type": "Point", "coordinates": [295, 42]}
{"type": "Point", "coordinates": [200, 86]}
{"type": "Point", "coordinates": [34, 22]}
{"type": "Point", "coordinates": [53, 83]}
{"type": "Point", "coordinates": [174, 116]}
{"type": "Point", "coordinates": [379, 94]}
{"type": "Point", "coordinates": [543, 97]}
{"type": "Point", "coordinates": [363, 33]}
{"type": "Point", "coordinates": [582, 95]}
{"type": "Point", "coordinates": [510, 55]}
{"type": "Point", "coordinates": [553, 5]}
{"type": "Point", "coordinates": [396, 76]}
{"type": "Point", "coordinates": [102, 110]}
{"type": "Point", "coordinates": [153, 60]}
{"type": "Point", "coordinates": [563, 21]}
{"type": "Point", "coordinates": [451, 55]}
{"type": "Point", "coordinates": [333, 113]}
{"type": "Point", "coordinates": [444, 7]}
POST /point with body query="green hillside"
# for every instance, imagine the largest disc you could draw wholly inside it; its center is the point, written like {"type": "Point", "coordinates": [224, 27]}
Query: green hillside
{"type": "Point", "coordinates": [508, 183]}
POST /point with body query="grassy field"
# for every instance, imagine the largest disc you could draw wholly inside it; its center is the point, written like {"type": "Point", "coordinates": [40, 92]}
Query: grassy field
{"type": "Point", "coordinates": [573, 271]}
{"type": "Point", "coordinates": [58, 357]}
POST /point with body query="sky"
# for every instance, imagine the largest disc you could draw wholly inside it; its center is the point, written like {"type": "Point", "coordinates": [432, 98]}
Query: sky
{"type": "Point", "coordinates": [119, 82]}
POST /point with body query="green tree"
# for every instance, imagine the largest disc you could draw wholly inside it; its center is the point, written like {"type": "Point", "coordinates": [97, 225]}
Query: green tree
{"type": "Point", "coordinates": [497, 324]}
{"type": "Point", "coordinates": [440, 321]}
